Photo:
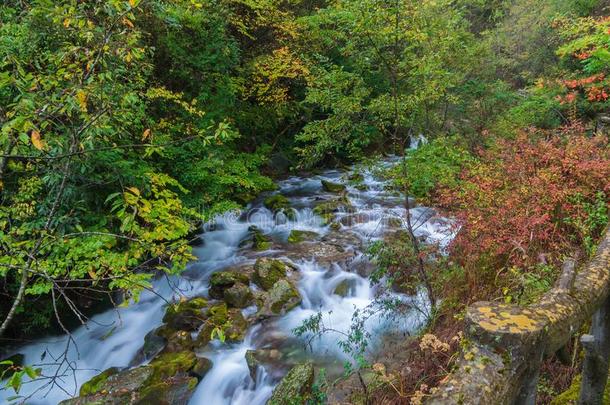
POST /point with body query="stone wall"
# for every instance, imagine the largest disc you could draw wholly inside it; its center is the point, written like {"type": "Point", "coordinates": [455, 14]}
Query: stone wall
{"type": "Point", "coordinates": [507, 343]}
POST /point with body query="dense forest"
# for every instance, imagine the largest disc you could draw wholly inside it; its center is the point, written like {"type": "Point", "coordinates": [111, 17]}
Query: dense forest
{"type": "Point", "coordinates": [128, 126]}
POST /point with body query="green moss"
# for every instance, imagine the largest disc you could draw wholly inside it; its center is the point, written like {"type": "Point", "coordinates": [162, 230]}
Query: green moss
{"type": "Point", "coordinates": [267, 272]}
{"type": "Point", "coordinates": [279, 203]}
{"type": "Point", "coordinates": [224, 280]}
{"type": "Point", "coordinates": [342, 289]}
{"type": "Point", "coordinates": [276, 202]}
{"type": "Point", "coordinates": [332, 187]}
{"type": "Point", "coordinates": [332, 206]}
{"type": "Point", "coordinates": [570, 396]}
{"type": "Point", "coordinates": [169, 364]}
{"type": "Point", "coordinates": [230, 321]}
{"type": "Point", "coordinates": [96, 384]}
{"type": "Point", "coordinates": [185, 315]}
{"type": "Point", "coordinates": [297, 236]}
{"type": "Point", "coordinates": [283, 296]}
{"type": "Point", "coordinates": [296, 384]}
{"type": "Point", "coordinates": [239, 295]}
{"type": "Point", "coordinates": [261, 242]}
{"type": "Point", "coordinates": [356, 178]}
{"type": "Point", "coordinates": [219, 314]}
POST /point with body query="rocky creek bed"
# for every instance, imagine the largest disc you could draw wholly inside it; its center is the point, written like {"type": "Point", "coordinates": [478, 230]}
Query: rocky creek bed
{"type": "Point", "coordinates": [222, 332]}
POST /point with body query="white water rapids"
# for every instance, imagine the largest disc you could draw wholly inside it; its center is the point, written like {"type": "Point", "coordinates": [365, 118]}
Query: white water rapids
{"type": "Point", "coordinates": [113, 338]}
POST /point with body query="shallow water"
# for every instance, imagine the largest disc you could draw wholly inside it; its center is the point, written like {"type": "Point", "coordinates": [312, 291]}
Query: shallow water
{"type": "Point", "coordinates": [113, 338]}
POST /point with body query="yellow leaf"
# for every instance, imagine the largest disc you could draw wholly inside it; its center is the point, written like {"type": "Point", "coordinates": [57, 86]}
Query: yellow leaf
{"type": "Point", "coordinates": [67, 22]}
{"type": "Point", "coordinates": [127, 22]}
{"type": "Point", "coordinates": [37, 141]}
{"type": "Point", "coordinates": [92, 273]}
{"type": "Point", "coordinates": [146, 134]}
{"type": "Point", "coordinates": [132, 3]}
{"type": "Point", "coordinates": [134, 190]}
{"type": "Point", "coordinates": [81, 96]}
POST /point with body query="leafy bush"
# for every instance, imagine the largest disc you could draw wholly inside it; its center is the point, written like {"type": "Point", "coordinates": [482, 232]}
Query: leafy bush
{"type": "Point", "coordinates": [517, 204]}
{"type": "Point", "coordinates": [433, 164]}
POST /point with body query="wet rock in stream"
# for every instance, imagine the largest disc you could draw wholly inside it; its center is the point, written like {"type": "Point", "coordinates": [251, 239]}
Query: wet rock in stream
{"type": "Point", "coordinates": [268, 271]}
{"type": "Point", "coordinates": [185, 315]}
{"type": "Point", "coordinates": [256, 240]}
{"type": "Point", "coordinates": [169, 379]}
{"type": "Point", "coordinates": [229, 321]}
{"type": "Point", "coordinates": [297, 236]}
{"type": "Point", "coordinates": [280, 299]}
{"type": "Point", "coordinates": [332, 187]}
{"type": "Point", "coordinates": [297, 384]}
{"type": "Point", "coordinates": [277, 203]}
{"type": "Point", "coordinates": [272, 360]}
{"type": "Point", "coordinates": [238, 296]}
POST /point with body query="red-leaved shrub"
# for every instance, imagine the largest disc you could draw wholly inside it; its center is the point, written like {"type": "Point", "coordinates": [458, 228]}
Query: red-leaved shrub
{"type": "Point", "coordinates": [519, 204]}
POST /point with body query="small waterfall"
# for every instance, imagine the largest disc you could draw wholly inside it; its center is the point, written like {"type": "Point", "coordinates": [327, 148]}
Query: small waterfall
{"type": "Point", "coordinates": [113, 338]}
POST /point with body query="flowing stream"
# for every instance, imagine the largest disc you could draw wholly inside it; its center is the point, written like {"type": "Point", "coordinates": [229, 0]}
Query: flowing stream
{"type": "Point", "coordinates": [114, 338]}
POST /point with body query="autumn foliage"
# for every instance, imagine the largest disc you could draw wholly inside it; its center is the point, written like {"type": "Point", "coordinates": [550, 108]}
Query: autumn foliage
{"type": "Point", "coordinates": [519, 205]}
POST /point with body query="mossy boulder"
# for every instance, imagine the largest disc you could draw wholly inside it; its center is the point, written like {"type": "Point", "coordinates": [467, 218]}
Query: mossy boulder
{"type": "Point", "coordinates": [260, 241]}
{"type": "Point", "coordinates": [96, 384]}
{"type": "Point", "coordinates": [343, 288]}
{"type": "Point", "coordinates": [169, 379]}
{"type": "Point", "coordinates": [113, 388]}
{"type": "Point", "coordinates": [223, 280]}
{"type": "Point", "coordinates": [177, 340]}
{"type": "Point", "coordinates": [238, 295]}
{"type": "Point", "coordinates": [295, 386]}
{"type": "Point", "coordinates": [355, 177]}
{"type": "Point", "coordinates": [268, 271]}
{"type": "Point", "coordinates": [276, 202]}
{"type": "Point", "coordinates": [170, 364]}
{"type": "Point", "coordinates": [341, 204]}
{"type": "Point", "coordinates": [228, 320]}
{"type": "Point", "coordinates": [332, 187]}
{"type": "Point", "coordinates": [297, 236]}
{"type": "Point", "coordinates": [186, 314]}
{"type": "Point", "coordinates": [282, 297]}
{"type": "Point", "coordinates": [324, 252]}
{"type": "Point", "coordinates": [279, 203]}
{"type": "Point", "coordinates": [358, 218]}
